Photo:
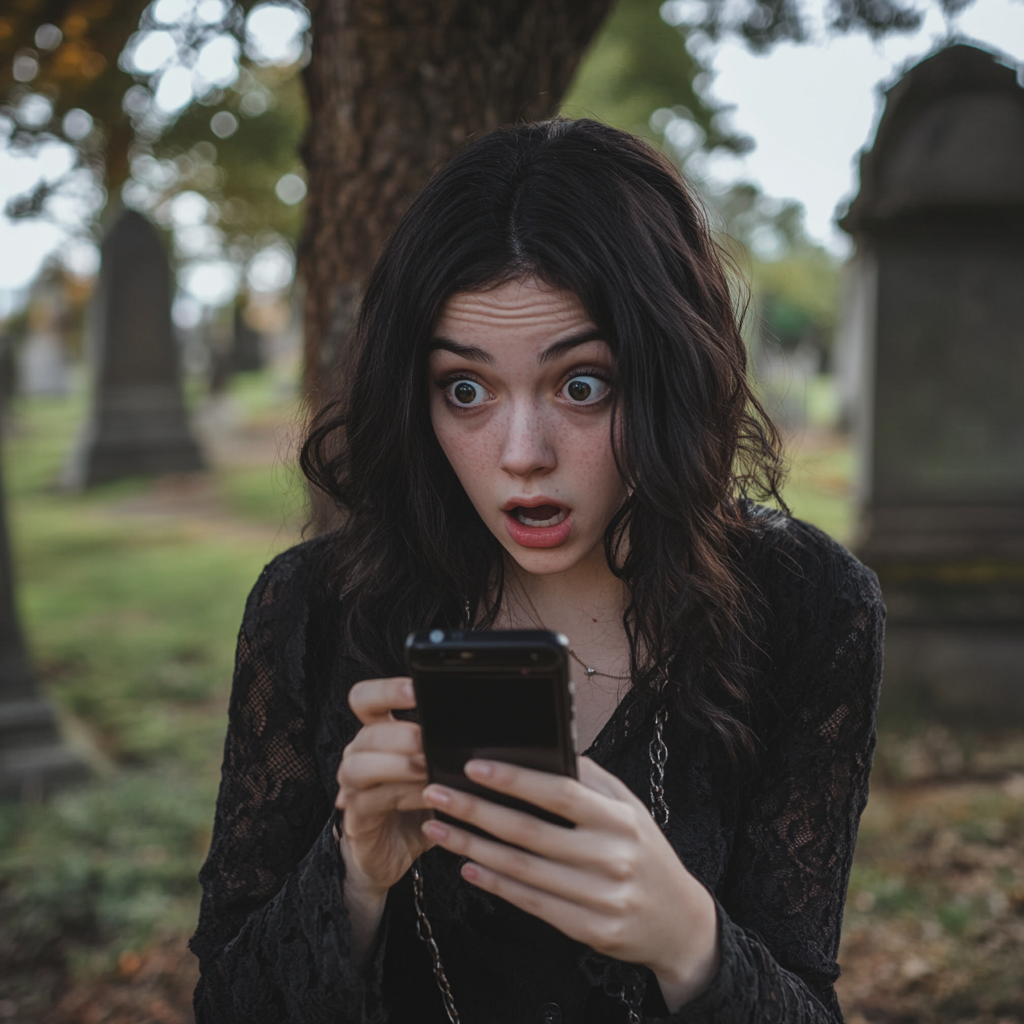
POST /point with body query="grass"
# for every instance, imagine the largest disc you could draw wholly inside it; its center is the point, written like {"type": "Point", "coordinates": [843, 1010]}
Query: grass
{"type": "Point", "coordinates": [819, 483]}
{"type": "Point", "coordinates": [131, 613]}
{"type": "Point", "coordinates": [131, 597]}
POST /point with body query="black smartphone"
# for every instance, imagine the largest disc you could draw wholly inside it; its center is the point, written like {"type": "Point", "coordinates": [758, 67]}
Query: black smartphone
{"type": "Point", "coordinates": [503, 695]}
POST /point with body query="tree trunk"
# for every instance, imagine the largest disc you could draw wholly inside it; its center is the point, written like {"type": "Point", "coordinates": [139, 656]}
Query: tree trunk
{"type": "Point", "coordinates": [394, 86]}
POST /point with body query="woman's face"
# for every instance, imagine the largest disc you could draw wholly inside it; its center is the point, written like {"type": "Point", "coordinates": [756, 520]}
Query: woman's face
{"type": "Point", "coordinates": [521, 401]}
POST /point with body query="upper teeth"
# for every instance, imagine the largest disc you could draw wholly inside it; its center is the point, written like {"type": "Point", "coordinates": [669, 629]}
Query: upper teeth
{"type": "Point", "coordinates": [553, 521]}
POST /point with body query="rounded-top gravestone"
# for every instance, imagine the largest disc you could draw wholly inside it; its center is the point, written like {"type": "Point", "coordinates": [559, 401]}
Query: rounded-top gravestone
{"type": "Point", "coordinates": [937, 294]}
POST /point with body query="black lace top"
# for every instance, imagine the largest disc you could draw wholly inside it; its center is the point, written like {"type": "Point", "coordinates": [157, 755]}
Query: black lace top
{"type": "Point", "coordinates": [274, 941]}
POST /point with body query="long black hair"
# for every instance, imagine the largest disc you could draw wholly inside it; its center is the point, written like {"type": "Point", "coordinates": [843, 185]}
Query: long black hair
{"type": "Point", "coordinates": [597, 212]}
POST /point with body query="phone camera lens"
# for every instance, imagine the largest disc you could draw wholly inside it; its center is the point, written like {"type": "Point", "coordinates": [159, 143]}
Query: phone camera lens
{"type": "Point", "coordinates": [436, 636]}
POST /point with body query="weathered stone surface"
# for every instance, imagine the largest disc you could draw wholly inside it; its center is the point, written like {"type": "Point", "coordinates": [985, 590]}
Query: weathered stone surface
{"type": "Point", "coordinates": [138, 423]}
{"type": "Point", "coordinates": [936, 343]}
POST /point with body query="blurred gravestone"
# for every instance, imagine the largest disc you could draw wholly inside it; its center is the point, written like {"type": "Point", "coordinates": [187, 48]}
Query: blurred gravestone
{"type": "Point", "coordinates": [935, 339]}
{"type": "Point", "coordinates": [138, 423]}
{"type": "Point", "coordinates": [8, 368]}
{"type": "Point", "coordinates": [246, 344]}
{"type": "Point", "coordinates": [32, 758]}
{"type": "Point", "coordinates": [43, 363]}
{"type": "Point", "coordinates": [234, 349]}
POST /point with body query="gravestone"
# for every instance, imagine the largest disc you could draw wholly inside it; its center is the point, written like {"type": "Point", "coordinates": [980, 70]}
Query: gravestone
{"type": "Point", "coordinates": [935, 342]}
{"type": "Point", "coordinates": [43, 363]}
{"type": "Point", "coordinates": [246, 344]}
{"type": "Point", "coordinates": [32, 758]}
{"type": "Point", "coordinates": [138, 423]}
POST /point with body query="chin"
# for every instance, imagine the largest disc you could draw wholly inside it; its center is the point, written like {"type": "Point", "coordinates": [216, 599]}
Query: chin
{"type": "Point", "coordinates": [544, 565]}
{"type": "Point", "coordinates": [547, 561]}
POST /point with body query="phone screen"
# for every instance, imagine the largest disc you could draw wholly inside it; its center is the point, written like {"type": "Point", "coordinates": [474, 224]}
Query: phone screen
{"type": "Point", "coordinates": [503, 696]}
{"type": "Point", "coordinates": [493, 710]}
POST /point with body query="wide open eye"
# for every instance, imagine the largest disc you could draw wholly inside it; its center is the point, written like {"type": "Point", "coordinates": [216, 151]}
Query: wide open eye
{"type": "Point", "coordinates": [465, 394]}
{"type": "Point", "coordinates": [585, 390]}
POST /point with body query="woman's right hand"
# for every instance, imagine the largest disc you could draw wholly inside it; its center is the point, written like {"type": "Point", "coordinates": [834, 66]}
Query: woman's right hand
{"type": "Point", "coordinates": [380, 789]}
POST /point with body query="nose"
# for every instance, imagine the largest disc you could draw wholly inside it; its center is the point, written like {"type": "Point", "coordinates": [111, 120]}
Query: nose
{"type": "Point", "coordinates": [526, 446]}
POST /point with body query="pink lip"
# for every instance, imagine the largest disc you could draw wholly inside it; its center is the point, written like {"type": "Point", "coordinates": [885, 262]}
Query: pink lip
{"type": "Point", "coordinates": [537, 536]}
{"type": "Point", "coordinates": [534, 502]}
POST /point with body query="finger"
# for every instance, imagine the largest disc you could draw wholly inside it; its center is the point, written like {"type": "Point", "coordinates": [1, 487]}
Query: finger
{"type": "Point", "coordinates": [388, 735]}
{"type": "Point", "coordinates": [368, 768]}
{"type": "Point", "coordinates": [595, 887]}
{"type": "Point", "coordinates": [568, 917]}
{"type": "Point", "coordinates": [556, 793]}
{"type": "Point", "coordinates": [374, 699]}
{"type": "Point", "coordinates": [517, 827]}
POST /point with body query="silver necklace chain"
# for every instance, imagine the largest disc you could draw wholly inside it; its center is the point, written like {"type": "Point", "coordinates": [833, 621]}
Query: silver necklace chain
{"type": "Point", "coordinates": [591, 671]}
{"type": "Point", "coordinates": [426, 935]}
{"type": "Point", "coordinates": [588, 669]}
{"type": "Point", "coordinates": [657, 750]}
{"type": "Point", "coordinates": [630, 995]}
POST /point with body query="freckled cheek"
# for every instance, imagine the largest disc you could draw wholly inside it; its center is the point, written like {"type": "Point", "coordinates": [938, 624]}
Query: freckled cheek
{"type": "Point", "coordinates": [594, 470]}
{"type": "Point", "coordinates": [473, 453]}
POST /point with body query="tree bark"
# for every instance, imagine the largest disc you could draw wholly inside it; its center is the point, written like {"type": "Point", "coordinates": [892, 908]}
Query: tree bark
{"type": "Point", "coordinates": [394, 86]}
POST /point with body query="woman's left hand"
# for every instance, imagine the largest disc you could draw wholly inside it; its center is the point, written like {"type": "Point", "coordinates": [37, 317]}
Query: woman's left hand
{"type": "Point", "coordinates": [613, 882]}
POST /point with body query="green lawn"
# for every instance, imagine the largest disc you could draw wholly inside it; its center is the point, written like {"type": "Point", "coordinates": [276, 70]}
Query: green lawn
{"type": "Point", "coordinates": [818, 485]}
{"type": "Point", "coordinates": [131, 614]}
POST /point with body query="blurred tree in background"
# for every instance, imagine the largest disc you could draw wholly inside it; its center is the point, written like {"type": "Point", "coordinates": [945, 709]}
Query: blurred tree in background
{"type": "Point", "coordinates": [60, 77]}
{"type": "Point", "coordinates": [797, 297]}
{"type": "Point", "coordinates": [638, 75]}
{"type": "Point", "coordinates": [173, 109]}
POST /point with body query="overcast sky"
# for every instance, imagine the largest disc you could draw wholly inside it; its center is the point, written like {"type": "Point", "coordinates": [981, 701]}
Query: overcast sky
{"type": "Point", "coordinates": [811, 108]}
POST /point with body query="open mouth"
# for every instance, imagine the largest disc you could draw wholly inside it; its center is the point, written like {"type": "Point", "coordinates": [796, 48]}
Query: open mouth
{"type": "Point", "coordinates": [540, 525]}
{"type": "Point", "coordinates": [540, 515]}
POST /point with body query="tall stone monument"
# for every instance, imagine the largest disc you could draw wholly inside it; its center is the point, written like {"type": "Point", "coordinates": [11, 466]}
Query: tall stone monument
{"type": "Point", "coordinates": [32, 758]}
{"type": "Point", "coordinates": [138, 423]}
{"type": "Point", "coordinates": [935, 338]}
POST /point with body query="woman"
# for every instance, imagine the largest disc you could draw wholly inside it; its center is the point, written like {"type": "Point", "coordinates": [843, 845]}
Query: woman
{"type": "Point", "coordinates": [547, 422]}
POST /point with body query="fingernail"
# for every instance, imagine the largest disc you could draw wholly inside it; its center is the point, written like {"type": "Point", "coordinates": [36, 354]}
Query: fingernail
{"type": "Point", "coordinates": [479, 769]}
{"type": "Point", "coordinates": [437, 795]}
{"type": "Point", "coordinates": [408, 692]}
{"type": "Point", "coordinates": [470, 872]}
{"type": "Point", "coordinates": [433, 829]}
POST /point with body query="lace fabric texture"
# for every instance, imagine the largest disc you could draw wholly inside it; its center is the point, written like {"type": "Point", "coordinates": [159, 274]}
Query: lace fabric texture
{"type": "Point", "coordinates": [273, 935]}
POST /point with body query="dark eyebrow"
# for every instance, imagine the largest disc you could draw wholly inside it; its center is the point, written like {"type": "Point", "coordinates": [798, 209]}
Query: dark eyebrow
{"type": "Point", "coordinates": [559, 348]}
{"type": "Point", "coordinates": [471, 352]}
{"type": "Point", "coordinates": [478, 355]}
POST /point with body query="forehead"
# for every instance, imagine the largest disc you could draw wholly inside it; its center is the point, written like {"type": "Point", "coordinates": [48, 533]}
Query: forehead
{"type": "Point", "coordinates": [526, 306]}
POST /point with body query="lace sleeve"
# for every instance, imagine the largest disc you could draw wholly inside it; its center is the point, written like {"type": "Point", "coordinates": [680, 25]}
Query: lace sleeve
{"type": "Point", "coordinates": [273, 936]}
{"type": "Point", "coordinates": [781, 906]}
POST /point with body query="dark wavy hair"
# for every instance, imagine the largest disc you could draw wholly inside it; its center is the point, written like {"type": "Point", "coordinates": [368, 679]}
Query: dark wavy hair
{"type": "Point", "coordinates": [597, 212]}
